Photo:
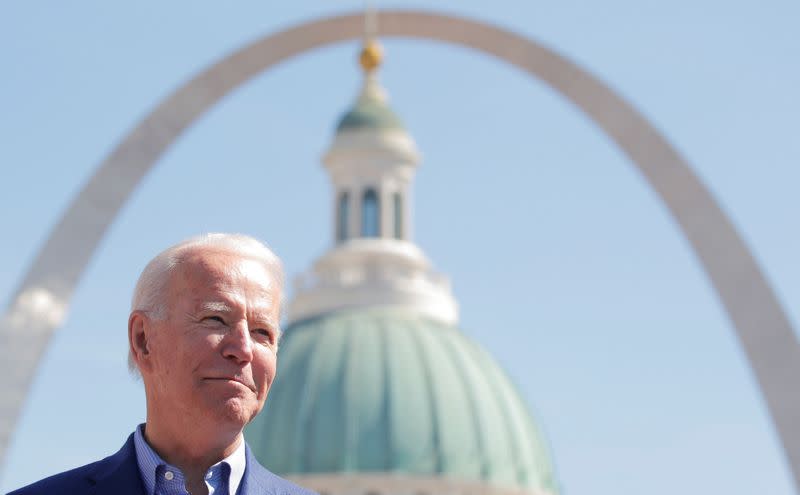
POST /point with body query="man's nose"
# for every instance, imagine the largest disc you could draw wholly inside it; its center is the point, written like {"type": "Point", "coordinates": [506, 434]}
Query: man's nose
{"type": "Point", "coordinates": [238, 345]}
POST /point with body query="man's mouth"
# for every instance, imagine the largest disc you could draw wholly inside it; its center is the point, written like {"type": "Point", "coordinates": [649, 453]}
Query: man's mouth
{"type": "Point", "coordinates": [231, 380]}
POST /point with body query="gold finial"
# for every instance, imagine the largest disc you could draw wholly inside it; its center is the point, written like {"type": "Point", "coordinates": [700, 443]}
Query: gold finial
{"type": "Point", "coordinates": [371, 55]}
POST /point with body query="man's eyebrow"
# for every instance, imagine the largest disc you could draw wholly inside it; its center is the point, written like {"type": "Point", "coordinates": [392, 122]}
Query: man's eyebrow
{"type": "Point", "coordinates": [217, 306]}
{"type": "Point", "coordinates": [267, 319]}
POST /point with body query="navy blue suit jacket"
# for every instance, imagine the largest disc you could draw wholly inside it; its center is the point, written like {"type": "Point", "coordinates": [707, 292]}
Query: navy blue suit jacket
{"type": "Point", "coordinates": [119, 475]}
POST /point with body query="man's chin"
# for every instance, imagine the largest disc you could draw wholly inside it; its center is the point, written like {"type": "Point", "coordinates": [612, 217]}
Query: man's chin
{"type": "Point", "coordinates": [235, 412]}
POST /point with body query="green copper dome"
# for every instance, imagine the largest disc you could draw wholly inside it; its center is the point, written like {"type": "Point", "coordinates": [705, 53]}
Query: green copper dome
{"type": "Point", "coordinates": [369, 115]}
{"type": "Point", "coordinates": [371, 111]}
{"type": "Point", "coordinates": [383, 390]}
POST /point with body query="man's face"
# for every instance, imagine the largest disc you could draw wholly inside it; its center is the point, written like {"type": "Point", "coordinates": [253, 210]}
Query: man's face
{"type": "Point", "coordinates": [214, 357]}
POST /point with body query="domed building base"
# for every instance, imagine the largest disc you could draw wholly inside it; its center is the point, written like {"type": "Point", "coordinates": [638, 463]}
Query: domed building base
{"type": "Point", "coordinates": [378, 392]}
{"type": "Point", "coordinates": [386, 400]}
{"type": "Point", "coordinates": [399, 484]}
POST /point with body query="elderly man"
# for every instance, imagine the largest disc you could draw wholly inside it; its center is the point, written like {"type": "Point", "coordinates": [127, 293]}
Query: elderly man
{"type": "Point", "coordinates": [203, 333]}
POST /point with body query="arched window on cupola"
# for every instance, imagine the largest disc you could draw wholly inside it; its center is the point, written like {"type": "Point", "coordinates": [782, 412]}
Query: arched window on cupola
{"type": "Point", "coordinates": [342, 215]}
{"type": "Point", "coordinates": [370, 214]}
{"type": "Point", "coordinates": [397, 199]}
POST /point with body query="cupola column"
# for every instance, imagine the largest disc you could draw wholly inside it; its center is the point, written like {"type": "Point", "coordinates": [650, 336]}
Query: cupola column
{"type": "Point", "coordinates": [387, 213]}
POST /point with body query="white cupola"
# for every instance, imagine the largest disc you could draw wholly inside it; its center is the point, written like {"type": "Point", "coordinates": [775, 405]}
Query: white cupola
{"type": "Point", "coordinates": [373, 261]}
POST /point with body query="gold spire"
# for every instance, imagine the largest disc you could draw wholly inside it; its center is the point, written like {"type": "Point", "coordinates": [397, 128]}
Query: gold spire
{"type": "Point", "coordinates": [371, 54]}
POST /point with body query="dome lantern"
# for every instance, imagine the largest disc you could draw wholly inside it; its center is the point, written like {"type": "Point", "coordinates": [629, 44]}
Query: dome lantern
{"type": "Point", "coordinates": [371, 162]}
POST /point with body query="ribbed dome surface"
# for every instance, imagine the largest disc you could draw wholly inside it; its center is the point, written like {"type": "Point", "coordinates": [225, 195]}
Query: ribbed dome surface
{"type": "Point", "coordinates": [385, 390]}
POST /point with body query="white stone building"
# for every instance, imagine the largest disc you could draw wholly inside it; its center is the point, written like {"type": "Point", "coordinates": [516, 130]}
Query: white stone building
{"type": "Point", "coordinates": [378, 391]}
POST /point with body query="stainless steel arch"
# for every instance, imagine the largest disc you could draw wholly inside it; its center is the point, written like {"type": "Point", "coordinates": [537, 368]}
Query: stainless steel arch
{"type": "Point", "coordinates": [39, 305]}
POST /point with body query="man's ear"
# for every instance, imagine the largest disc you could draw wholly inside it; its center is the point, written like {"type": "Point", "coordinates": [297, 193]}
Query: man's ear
{"type": "Point", "coordinates": [139, 332]}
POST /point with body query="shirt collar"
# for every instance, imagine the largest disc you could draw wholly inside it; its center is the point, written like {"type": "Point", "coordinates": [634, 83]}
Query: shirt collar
{"type": "Point", "coordinates": [237, 461]}
{"type": "Point", "coordinates": [149, 461]}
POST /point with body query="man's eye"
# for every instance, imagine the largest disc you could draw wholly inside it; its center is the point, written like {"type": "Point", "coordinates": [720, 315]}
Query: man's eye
{"type": "Point", "coordinates": [264, 334]}
{"type": "Point", "coordinates": [214, 319]}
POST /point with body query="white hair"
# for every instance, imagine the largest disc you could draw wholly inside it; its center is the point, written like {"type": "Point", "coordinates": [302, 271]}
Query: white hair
{"type": "Point", "coordinates": [150, 295]}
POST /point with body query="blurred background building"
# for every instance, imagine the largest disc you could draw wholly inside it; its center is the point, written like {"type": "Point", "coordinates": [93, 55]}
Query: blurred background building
{"type": "Point", "coordinates": [378, 390]}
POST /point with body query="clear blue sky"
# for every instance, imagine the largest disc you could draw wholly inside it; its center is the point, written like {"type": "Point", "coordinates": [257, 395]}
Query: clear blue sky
{"type": "Point", "coordinates": [567, 266]}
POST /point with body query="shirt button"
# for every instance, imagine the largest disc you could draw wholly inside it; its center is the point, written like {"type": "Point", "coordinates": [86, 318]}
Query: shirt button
{"type": "Point", "coordinates": [168, 475]}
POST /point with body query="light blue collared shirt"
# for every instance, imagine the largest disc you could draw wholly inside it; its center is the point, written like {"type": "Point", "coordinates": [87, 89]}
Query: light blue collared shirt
{"type": "Point", "coordinates": [160, 478]}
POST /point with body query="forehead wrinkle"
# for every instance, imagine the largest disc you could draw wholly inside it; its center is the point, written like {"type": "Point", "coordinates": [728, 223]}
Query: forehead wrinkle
{"type": "Point", "coordinates": [269, 309]}
{"type": "Point", "coordinates": [230, 284]}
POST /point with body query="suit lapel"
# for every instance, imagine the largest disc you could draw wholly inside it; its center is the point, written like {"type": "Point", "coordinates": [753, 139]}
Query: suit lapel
{"type": "Point", "coordinates": [119, 474]}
